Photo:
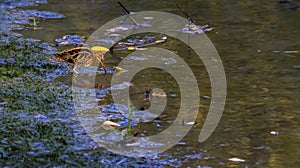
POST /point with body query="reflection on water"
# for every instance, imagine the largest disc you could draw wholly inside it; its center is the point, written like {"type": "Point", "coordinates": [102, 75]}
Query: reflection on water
{"type": "Point", "coordinates": [263, 86]}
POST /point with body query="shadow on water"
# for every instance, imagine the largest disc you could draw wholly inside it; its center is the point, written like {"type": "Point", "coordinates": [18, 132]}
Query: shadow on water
{"type": "Point", "coordinates": [257, 42]}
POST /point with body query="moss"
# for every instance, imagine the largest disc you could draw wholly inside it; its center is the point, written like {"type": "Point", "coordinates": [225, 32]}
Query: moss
{"type": "Point", "coordinates": [36, 128]}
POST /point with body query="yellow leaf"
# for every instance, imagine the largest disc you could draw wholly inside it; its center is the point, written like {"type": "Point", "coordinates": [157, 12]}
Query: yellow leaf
{"type": "Point", "coordinates": [119, 68]}
{"type": "Point", "coordinates": [99, 48]}
{"type": "Point", "coordinates": [160, 41]}
{"type": "Point", "coordinates": [288, 117]}
{"type": "Point", "coordinates": [159, 94]}
{"type": "Point", "coordinates": [64, 43]}
{"type": "Point", "coordinates": [131, 48]}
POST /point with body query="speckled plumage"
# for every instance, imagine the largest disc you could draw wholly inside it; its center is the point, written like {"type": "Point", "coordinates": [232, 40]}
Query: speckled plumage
{"type": "Point", "coordinates": [80, 57]}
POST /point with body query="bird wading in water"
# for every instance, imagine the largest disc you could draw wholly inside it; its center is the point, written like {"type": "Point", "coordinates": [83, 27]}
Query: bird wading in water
{"type": "Point", "coordinates": [81, 57]}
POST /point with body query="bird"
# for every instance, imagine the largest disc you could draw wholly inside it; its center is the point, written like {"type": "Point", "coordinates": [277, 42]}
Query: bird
{"type": "Point", "coordinates": [81, 57]}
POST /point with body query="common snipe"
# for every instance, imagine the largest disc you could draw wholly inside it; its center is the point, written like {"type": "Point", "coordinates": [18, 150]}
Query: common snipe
{"type": "Point", "coordinates": [81, 56]}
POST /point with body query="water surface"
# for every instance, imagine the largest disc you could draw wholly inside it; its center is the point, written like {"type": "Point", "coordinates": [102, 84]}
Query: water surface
{"type": "Point", "coordinates": [252, 38]}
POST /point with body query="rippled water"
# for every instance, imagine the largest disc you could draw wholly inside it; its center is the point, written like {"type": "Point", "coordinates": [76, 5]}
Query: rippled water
{"type": "Point", "coordinates": [254, 40]}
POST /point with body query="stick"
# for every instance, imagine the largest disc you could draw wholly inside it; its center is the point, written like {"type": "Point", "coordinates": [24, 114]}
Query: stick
{"type": "Point", "coordinates": [187, 15]}
{"type": "Point", "coordinates": [127, 12]}
{"type": "Point", "coordinates": [141, 45]}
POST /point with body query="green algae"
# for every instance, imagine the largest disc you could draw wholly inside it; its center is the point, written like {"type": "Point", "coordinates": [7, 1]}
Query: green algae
{"type": "Point", "coordinates": [38, 126]}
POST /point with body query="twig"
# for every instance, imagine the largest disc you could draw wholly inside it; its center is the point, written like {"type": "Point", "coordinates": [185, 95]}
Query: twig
{"type": "Point", "coordinates": [127, 12]}
{"type": "Point", "coordinates": [187, 15]}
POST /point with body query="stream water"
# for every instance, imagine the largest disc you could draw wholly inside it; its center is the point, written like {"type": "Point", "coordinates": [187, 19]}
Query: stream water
{"type": "Point", "coordinates": [258, 42]}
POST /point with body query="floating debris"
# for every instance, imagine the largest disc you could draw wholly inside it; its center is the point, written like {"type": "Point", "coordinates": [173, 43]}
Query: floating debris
{"type": "Point", "coordinates": [173, 95]}
{"type": "Point", "coordinates": [192, 28]}
{"type": "Point", "coordinates": [125, 27]}
{"type": "Point", "coordinates": [158, 94]}
{"type": "Point", "coordinates": [290, 52]}
{"type": "Point", "coordinates": [107, 41]}
{"type": "Point", "coordinates": [206, 97]}
{"type": "Point", "coordinates": [120, 28]}
{"type": "Point", "coordinates": [286, 52]}
{"type": "Point", "coordinates": [181, 143]}
{"type": "Point", "coordinates": [110, 123]}
{"type": "Point", "coordinates": [274, 133]}
{"type": "Point", "coordinates": [195, 156]}
{"type": "Point", "coordinates": [189, 123]}
{"type": "Point", "coordinates": [119, 68]}
{"type": "Point", "coordinates": [154, 93]}
{"type": "Point", "coordinates": [195, 29]}
{"type": "Point", "coordinates": [108, 70]}
{"type": "Point", "coordinates": [138, 43]}
{"type": "Point", "coordinates": [237, 160]}
{"type": "Point", "coordinates": [148, 17]}
{"type": "Point", "coordinates": [70, 39]}
{"type": "Point", "coordinates": [262, 147]}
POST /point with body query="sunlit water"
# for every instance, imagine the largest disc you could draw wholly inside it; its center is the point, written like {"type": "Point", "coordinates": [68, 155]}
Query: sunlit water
{"type": "Point", "coordinates": [252, 38]}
